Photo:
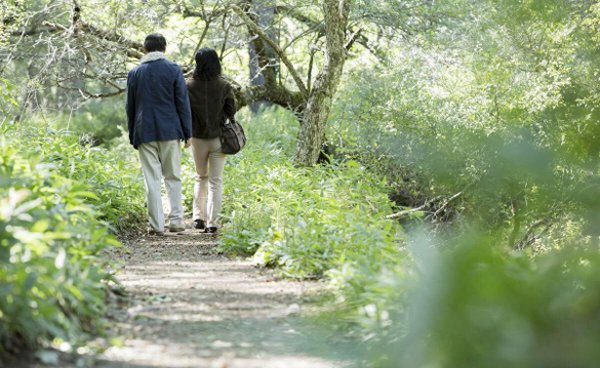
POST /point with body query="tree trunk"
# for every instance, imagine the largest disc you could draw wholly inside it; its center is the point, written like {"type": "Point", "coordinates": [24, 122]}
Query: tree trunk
{"type": "Point", "coordinates": [312, 129]}
{"type": "Point", "coordinates": [266, 14]}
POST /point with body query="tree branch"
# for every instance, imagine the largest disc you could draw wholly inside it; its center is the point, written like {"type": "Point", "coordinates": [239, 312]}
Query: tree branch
{"type": "Point", "coordinates": [353, 39]}
{"type": "Point", "coordinates": [446, 203]}
{"type": "Point", "coordinates": [259, 32]}
{"type": "Point", "coordinates": [311, 23]}
{"type": "Point", "coordinates": [134, 49]}
{"type": "Point", "coordinates": [293, 101]}
{"type": "Point", "coordinates": [87, 95]}
{"type": "Point", "coordinates": [202, 36]}
{"type": "Point", "coordinates": [319, 28]}
{"type": "Point", "coordinates": [405, 213]}
{"type": "Point", "coordinates": [187, 13]}
{"type": "Point", "coordinates": [410, 211]}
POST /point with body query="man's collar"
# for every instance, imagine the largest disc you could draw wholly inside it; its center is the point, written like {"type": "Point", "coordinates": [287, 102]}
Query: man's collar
{"type": "Point", "coordinates": [152, 56]}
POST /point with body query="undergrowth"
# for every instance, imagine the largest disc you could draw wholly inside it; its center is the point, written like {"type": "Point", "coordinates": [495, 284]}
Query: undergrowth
{"type": "Point", "coordinates": [61, 203]}
{"type": "Point", "coordinates": [321, 222]}
{"type": "Point", "coordinates": [414, 298]}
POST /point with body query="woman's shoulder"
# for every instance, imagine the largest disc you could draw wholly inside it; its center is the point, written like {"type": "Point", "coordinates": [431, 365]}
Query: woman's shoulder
{"type": "Point", "coordinates": [192, 82]}
{"type": "Point", "coordinates": [220, 82]}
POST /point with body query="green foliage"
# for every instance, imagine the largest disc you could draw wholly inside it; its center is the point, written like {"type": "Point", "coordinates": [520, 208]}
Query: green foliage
{"type": "Point", "coordinates": [510, 134]}
{"type": "Point", "coordinates": [112, 176]}
{"type": "Point", "coordinates": [10, 12]}
{"type": "Point", "coordinates": [60, 202]}
{"type": "Point", "coordinates": [482, 113]}
{"type": "Point", "coordinates": [188, 178]}
{"type": "Point", "coordinates": [475, 306]}
{"type": "Point", "coordinates": [440, 123]}
{"type": "Point", "coordinates": [50, 268]}
{"type": "Point", "coordinates": [306, 222]}
{"type": "Point", "coordinates": [7, 99]}
{"type": "Point", "coordinates": [98, 121]}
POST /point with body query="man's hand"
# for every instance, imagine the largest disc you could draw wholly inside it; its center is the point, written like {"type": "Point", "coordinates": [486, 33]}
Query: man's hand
{"type": "Point", "coordinates": [188, 142]}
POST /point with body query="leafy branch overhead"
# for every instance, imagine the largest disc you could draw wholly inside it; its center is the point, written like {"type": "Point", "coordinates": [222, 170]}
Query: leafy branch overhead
{"type": "Point", "coordinates": [59, 24]}
{"type": "Point", "coordinates": [88, 49]}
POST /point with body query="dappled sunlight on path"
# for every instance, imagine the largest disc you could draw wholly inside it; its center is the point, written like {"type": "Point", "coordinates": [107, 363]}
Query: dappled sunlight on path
{"type": "Point", "coordinates": [191, 307]}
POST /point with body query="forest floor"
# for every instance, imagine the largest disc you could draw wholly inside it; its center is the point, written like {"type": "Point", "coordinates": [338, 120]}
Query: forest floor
{"type": "Point", "coordinates": [188, 306]}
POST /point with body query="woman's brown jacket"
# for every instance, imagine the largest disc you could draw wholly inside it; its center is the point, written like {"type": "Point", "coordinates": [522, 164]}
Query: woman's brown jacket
{"type": "Point", "coordinates": [211, 102]}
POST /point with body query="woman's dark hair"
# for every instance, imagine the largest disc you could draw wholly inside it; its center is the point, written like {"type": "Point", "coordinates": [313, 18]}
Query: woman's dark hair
{"type": "Point", "coordinates": [208, 65]}
{"type": "Point", "coordinates": [155, 42]}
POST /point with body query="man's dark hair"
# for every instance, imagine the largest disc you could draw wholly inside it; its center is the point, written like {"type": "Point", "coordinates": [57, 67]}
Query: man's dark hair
{"type": "Point", "coordinates": [208, 65]}
{"type": "Point", "coordinates": [155, 42]}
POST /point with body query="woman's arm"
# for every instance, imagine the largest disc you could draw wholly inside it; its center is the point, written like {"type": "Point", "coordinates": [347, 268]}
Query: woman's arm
{"type": "Point", "coordinates": [229, 105]}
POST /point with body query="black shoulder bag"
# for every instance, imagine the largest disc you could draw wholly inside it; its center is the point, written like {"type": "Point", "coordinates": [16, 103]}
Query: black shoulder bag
{"type": "Point", "coordinates": [233, 138]}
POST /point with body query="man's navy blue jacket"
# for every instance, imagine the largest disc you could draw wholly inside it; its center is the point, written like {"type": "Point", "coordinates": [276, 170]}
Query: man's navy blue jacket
{"type": "Point", "coordinates": [158, 106]}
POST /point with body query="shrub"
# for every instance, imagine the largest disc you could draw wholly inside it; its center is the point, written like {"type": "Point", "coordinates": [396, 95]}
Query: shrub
{"type": "Point", "coordinates": [113, 176]}
{"type": "Point", "coordinates": [305, 221]}
{"type": "Point", "coordinates": [479, 307]}
{"type": "Point", "coordinates": [322, 222]}
{"type": "Point", "coordinates": [61, 201]}
{"type": "Point", "coordinates": [98, 121]}
{"type": "Point", "coordinates": [50, 270]}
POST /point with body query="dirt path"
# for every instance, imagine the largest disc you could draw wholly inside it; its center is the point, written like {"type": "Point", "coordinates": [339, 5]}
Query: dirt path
{"type": "Point", "coordinates": [188, 306]}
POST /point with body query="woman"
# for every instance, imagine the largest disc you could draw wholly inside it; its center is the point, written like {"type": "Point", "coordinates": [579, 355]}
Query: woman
{"type": "Point", "coordinates": [212, 101]}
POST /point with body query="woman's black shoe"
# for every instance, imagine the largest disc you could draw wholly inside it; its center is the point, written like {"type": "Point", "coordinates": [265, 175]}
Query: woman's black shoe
{"type": "Point", "coordinates": [199, 224]}
{"type": "Point", "coordinates": [211, 230]}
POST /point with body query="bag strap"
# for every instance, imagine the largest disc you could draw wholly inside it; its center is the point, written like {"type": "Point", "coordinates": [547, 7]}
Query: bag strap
{"type": "Point", "coordinates": [231, 120]}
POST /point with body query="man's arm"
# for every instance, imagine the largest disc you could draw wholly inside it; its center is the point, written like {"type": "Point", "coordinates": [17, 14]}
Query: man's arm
{"type": "Point", "coordinates": [182, 103]}
{"type": "Point", "coordinates": [130, 106]}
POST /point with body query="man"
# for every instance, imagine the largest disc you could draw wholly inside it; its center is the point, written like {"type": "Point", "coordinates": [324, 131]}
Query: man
{"type": "Point", "coordinates": [158, 117]}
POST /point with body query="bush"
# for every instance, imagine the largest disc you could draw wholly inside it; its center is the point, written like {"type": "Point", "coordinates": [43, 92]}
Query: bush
{"type": "Point", "coordinates": [51, 274]}
{"type": "Point", "coordinates": [475, 306]}
{"type": "Point", "coordinates": [98, 121]}
{"type": "Point", "coordinates": [61, 201]}
{"type": "Point", "coordinates": [113, 176]}
{"type": "Point", "coordinates": [305, 221]}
